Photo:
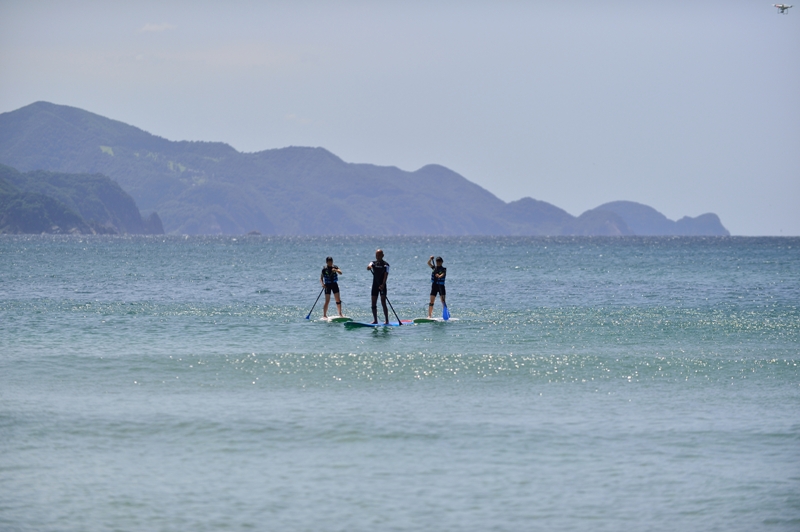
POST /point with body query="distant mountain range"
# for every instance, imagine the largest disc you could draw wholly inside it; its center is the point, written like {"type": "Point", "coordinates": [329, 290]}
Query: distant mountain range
{"type": "Point", "coordinates": [210, 188]}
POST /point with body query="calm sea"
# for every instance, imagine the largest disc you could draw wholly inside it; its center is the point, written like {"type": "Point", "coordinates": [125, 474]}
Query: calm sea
{"type": "Point", "coordinates": [589, 384]}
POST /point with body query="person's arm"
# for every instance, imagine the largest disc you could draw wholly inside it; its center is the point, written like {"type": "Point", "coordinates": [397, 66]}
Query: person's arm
{"type": "Point", "coordinates": [430, 262]}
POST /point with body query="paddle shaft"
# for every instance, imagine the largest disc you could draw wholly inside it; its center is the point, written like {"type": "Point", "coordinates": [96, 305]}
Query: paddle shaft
{"type": "Point", "coordinates": [395, 313]}
{"type": "Point", "coordinates": [315, 303]}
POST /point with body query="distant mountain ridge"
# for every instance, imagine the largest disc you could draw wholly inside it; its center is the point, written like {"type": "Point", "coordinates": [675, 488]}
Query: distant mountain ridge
{"type": "Point", "coordinates": [646, 221]}
{"type": "Point", "coordinates": [210, 188]}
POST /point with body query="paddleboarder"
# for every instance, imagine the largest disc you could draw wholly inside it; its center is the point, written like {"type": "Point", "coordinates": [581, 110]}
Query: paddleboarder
{"type": "Point", "coordinates": [380, 274]}
{"type": "Point", "coordinates": [329, 279]}
{"type": "Point", "coordinates": [438, 276]}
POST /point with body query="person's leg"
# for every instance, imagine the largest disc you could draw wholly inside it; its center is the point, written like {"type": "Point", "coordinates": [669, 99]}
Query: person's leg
{"type": "Point", "coordinates": [385, 308]}
{"type": "Point", "coordinates": [375, 309]}
{"type": "Point", "coordinates": [338, 300]}
{"type": "Point", "coordinates": [325, 306]}
{"type": "Point", "coordinates": [434, 291]}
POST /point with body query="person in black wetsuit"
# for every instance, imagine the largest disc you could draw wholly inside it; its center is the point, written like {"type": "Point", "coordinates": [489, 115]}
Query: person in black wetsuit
{"type": "Point", "coordinates": [380, 273]}
{"type": "Point", "coordinates": [329, 279]}
{"type": "Point", "coordinates": [438, 276]}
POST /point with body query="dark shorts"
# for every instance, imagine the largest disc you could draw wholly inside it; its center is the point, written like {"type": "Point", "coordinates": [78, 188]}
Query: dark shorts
{"type": "Point", "coordinates": [438, 289]}
{"type": "Point", "coordinates": [333, 287]}
{"type": "Point", "coordinates": [375, 290]}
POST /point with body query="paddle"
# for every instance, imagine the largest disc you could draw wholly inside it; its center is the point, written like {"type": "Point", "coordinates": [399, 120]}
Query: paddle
{"type": "Point", "coordinates": [315, 304]}
{"type": "Point", "coordinates": [395, 313]}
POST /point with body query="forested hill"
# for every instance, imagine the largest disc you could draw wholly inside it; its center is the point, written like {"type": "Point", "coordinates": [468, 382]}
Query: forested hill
{"type": "Point", "coordinates": [210, 188]}
{"type": "Point", "coordinates": [50, 202]}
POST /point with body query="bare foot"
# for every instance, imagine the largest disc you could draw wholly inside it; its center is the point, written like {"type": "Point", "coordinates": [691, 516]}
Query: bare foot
{"type": "Point", "coordinates": [374, 323]}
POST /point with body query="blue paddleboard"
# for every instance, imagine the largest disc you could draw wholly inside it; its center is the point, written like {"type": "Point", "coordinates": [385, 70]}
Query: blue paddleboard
{"type": "Point", "coordinates": [354, 324]}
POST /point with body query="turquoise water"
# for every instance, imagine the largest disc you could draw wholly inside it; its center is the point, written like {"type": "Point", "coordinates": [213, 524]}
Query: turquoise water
{"type": "Point", "coordinates": [171, 383]}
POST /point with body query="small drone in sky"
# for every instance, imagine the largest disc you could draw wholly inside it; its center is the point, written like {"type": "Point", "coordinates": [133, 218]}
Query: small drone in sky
{"type": "Point", "coordinates": [783, 8]}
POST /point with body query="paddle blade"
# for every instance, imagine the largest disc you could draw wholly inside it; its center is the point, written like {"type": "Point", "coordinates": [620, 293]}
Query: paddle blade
{"type": "Point", "coordinates": [445, 313]}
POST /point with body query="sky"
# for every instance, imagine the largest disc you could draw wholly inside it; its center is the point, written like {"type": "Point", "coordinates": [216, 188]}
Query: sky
{"type": "Point", "coordinates": [687, 106]}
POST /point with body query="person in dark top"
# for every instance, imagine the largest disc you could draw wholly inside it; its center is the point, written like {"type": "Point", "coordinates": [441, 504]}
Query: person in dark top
{"type": "Point", "coordinates": [438, 276]}
{"type": "Point", "coordinates": [380, 273]}
{"type": "Point", "coordinates": [329, 279]}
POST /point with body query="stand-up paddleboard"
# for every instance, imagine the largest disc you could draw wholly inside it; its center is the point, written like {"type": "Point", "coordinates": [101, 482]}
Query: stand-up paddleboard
{"type": "Point", "coordinates": [336, 319]}
{"type": "Point", "coordinates": [354, 324]}
{"type": "Point", "coordinates": [433, 320]}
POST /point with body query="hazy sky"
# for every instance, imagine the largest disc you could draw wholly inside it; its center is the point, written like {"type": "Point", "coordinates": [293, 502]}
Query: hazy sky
{"type": "Point", "coordinates": [687, 106]}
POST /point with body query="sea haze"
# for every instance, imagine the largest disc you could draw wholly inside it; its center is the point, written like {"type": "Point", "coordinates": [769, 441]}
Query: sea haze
{"type": "Point", "coordinates": [172, 383]}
